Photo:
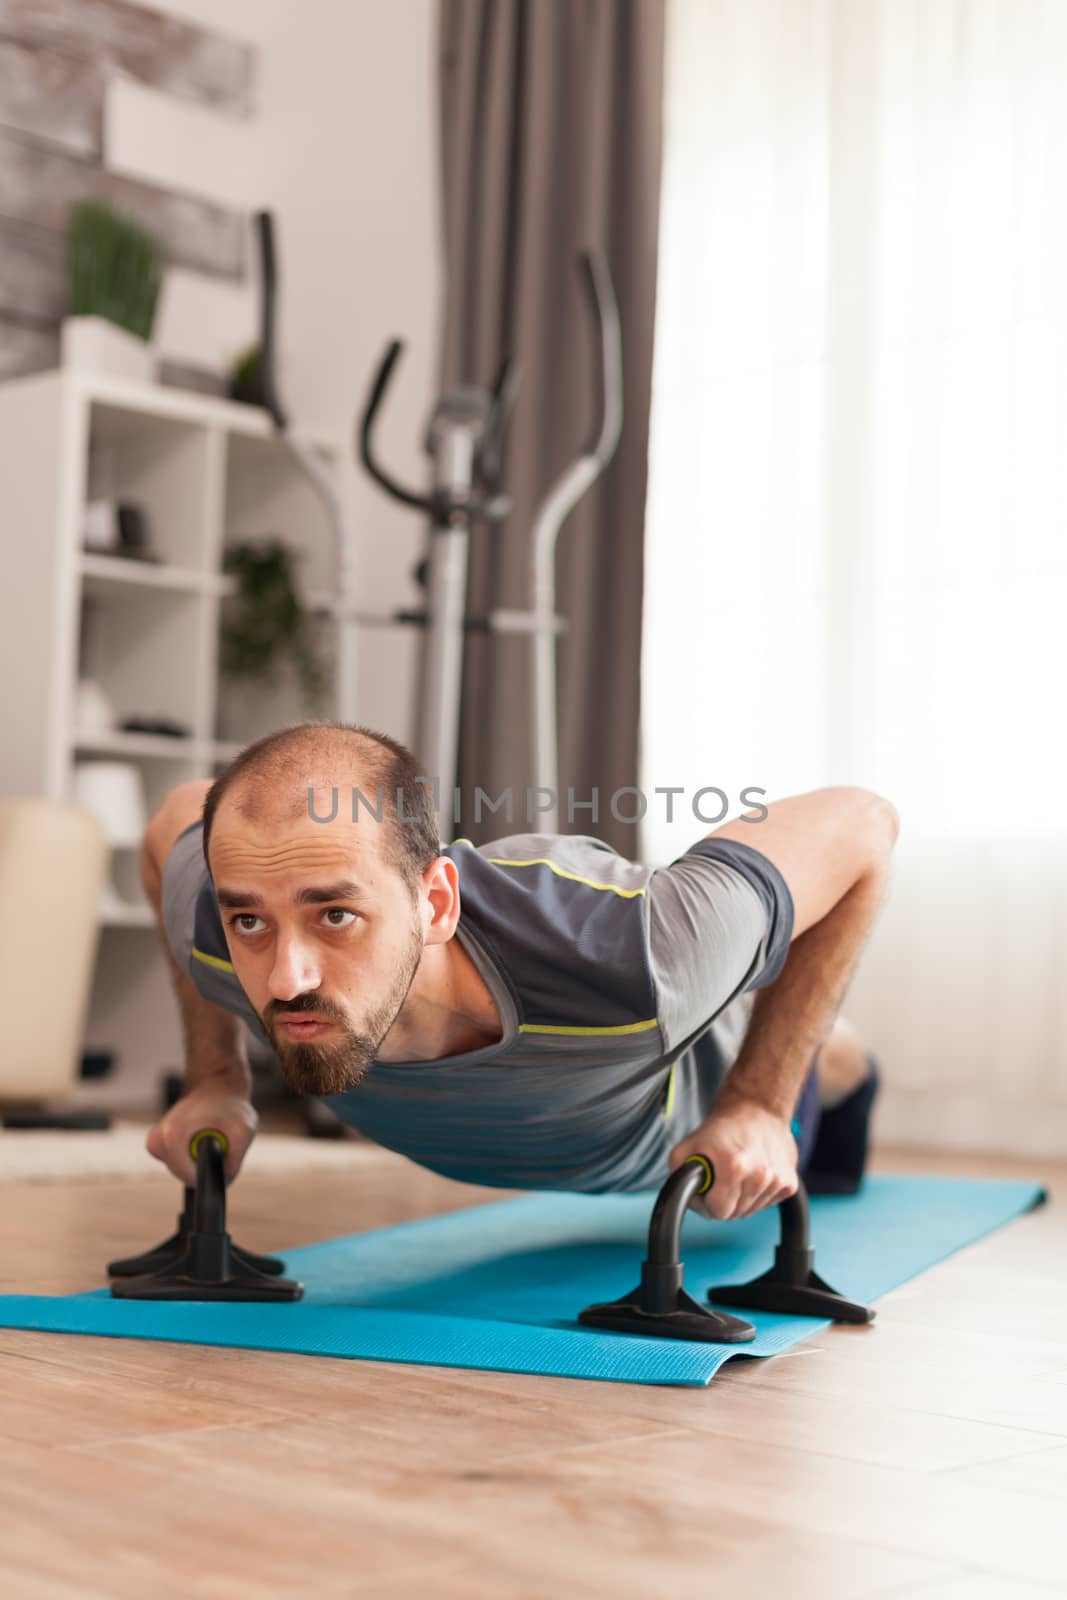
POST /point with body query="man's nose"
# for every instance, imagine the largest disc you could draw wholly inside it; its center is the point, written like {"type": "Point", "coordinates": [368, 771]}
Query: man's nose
{"type": "Point", "coordinates": [294, 970]}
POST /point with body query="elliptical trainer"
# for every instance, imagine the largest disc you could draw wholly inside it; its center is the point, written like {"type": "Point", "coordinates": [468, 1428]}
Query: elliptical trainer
{"type": "Point", "coordinates": [465, 441]}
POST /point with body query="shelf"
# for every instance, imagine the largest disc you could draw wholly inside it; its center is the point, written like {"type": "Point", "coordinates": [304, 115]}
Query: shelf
{"type": "Point", "coordinates": [182, 406]}
{"type": "Point", "coordinates": [145, 648]}
{"type": "Point", "coordinates": [131, 917]}
{"type": "Point", "coordinates": [201, 751]}
{"type": "Point", "coordinates": [121, 743]}
{"type": "Point", "coordinates": [163, 401]}
{"type": "Point", "coordinates": [144, 574]}
{"type": "Point", "coordinates": [204, 473]}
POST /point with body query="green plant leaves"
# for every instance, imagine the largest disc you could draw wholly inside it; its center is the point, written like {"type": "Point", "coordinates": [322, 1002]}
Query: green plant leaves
{"type": "Point", "coordinates": [264, 624]}
{"type": "Point", "coordinates": [114, 268]}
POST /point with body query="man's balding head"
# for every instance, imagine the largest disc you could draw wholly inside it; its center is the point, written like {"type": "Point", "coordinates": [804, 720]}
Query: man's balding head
{"type": "Point", "coordinates": [269, 783]}
{"type": "Point", "coordinates": [327, 907]}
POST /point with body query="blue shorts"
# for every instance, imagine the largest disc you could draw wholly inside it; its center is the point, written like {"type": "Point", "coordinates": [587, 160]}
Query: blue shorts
{"type": "Point", "coordinates": [832, 1145]}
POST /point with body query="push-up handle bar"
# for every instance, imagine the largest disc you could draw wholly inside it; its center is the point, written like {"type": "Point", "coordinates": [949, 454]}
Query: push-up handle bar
{"type": "Point", "coordinates": [200, 1261]}
{"type": "Point", "coordinates": [660, 1307]}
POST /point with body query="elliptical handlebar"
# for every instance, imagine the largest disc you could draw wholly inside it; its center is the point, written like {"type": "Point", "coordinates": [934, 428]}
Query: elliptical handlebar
{"type": "Point", "coordinates": [268, 383]}
{"type": "Point", "coordinates": [579, 476]}
{"type": "Point", "coordinates": [487, 460]}
{"type": "Point", "coordinates": [606, 318]}
{"type": "Point", "coordinates": [501, 404]}
{"type": "Point", "coordinates": [574, 481]}
{"type": "Point", "coordinates": [466, 439]}
{"type": "Point", "coordinates": [376, 394]}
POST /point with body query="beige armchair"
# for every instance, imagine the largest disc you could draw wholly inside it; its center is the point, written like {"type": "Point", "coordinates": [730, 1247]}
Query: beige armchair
{"type": "Point", "coordinates": [53, 862]}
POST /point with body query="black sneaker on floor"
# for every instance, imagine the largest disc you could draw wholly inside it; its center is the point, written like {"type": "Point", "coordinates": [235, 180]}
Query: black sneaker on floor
{"type": "Point", "coordinates": [839, 1156]}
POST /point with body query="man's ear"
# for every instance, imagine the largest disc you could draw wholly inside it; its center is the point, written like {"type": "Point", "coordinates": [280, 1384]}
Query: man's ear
{"type": "Point", "coordinates": [440, 883]}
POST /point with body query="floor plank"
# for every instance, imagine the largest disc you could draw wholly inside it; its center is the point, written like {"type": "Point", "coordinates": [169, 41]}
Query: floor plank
{"type": "Point", "coordinates": [922, 1459]}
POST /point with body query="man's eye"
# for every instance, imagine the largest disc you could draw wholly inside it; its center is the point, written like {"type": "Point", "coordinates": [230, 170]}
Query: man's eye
{"type": "Point", "coordinates": [339, 911]}
{"type": "Point", "coordinates": [241, 919]}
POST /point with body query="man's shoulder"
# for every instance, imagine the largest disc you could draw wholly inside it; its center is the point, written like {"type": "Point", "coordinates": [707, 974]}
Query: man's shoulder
{"type": "Point", "coordinates": [564, 916]}
{"type": "Point", "coordinates": [516, 843]}
{"type": "Point", "coordinates": [577, 858]}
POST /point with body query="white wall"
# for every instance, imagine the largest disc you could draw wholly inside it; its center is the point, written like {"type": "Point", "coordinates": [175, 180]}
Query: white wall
{"type": "Point", "coordinates": [343, 149]}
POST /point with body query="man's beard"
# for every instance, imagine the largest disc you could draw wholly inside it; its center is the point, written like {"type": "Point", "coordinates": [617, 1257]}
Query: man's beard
{"type": "Point", "coordinates": [340, 1064]}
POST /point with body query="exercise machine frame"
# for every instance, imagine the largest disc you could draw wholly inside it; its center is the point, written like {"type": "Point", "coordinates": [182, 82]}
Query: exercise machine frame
{"type": "Point", "coordinates": [465, 439]}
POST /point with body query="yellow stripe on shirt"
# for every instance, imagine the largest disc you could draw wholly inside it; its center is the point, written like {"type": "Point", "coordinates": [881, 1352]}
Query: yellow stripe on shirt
{"type": "Point", "coordinates": [671, 1086]}
{"type": "Point", "coordinates": [622, 1027]}
{"type": "Point", "coordinates": [212, 961]}
{"type": "Point", "coordinates": [542, 861]}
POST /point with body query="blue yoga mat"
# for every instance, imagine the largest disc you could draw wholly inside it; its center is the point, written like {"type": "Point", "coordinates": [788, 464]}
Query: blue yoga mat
{"type": "Point", "coordinates": [499, 1287]}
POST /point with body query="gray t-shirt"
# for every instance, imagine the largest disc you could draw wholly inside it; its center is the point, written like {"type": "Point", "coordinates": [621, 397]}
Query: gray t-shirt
{"type": "Point", "coordinates": [624, 992]}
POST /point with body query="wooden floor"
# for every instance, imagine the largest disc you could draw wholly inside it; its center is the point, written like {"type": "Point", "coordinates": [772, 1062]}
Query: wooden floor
{"type": "Point", "coordinates": [924, 1457]}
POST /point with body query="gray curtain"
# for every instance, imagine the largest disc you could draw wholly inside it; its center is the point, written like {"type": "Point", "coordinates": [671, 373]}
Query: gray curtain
{"type": "Point", "coordinates": [551, 138]}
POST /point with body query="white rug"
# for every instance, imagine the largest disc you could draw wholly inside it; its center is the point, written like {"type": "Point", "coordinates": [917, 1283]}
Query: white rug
{"type": "Point", "coordinates": [42, 1156]}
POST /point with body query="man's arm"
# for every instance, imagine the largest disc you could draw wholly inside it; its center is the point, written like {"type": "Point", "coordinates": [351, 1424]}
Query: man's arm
{"type": "Point", "coordinates": [833, 849]}
{"type": "Point", "coordinates": [218, 1083]}
{"type": "Point", "coordinates": [214, 1038]}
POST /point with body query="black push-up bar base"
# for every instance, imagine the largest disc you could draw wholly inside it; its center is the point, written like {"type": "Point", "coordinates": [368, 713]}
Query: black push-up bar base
{"type": "Point", "coordinates": [791, 1285]}
{"type": "Point", "coordinates": [200, 1261]}
{"type": "Point", "coordinates": [661, 1308]}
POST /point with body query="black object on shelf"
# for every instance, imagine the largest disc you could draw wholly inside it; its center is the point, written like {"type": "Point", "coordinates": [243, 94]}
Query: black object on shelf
{"type": "Point", "coordinates": [791, 1285]}
{"type": "Point", "coordinates": [133, 532]}
{"type": "Point", "coordinates": [72, 1120]}
{"type": "Point", "coordinates": [660, 1307]}
{"type": "Point", "coordinates": [96, 1064]}
{"type": "Point", "coordinates": [159, 725]}
{"type": "Point", "coordinates": [172, 1088]}
{"type": "Point", "coordinates": [200, 1261]}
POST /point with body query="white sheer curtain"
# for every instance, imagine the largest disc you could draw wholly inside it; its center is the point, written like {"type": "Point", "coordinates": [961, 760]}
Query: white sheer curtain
{"type": "Point", "coordinates": [856, 563]}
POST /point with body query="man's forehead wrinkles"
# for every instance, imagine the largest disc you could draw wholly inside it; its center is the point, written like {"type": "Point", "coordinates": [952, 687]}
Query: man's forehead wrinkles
{"type": "Point", "coordinates": [290, 847]}
{"type": "Point", "coordinates": [246, 868]}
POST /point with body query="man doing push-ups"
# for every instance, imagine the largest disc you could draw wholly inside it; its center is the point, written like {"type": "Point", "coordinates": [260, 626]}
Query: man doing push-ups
{"type": "Point", "coordinates": [535, 1013]}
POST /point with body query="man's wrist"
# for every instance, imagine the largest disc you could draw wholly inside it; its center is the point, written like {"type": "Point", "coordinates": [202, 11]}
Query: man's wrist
{"type": "Point", "coordinates": [736, 1093]}
{"type": "Point", "coordinates": [233, 1076]}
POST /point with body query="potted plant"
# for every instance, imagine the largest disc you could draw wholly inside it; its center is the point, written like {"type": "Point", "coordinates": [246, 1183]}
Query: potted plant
{"type": "Point", "coordinates": [114, 275]}
{"type": "Point", "coordinates": [266, 636]}
{"type": "Point", "coordinates": [244, 381]}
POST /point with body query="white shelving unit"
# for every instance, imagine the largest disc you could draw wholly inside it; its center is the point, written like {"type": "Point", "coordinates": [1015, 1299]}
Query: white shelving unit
{"type": "Point", "coordinates": [205, 473]}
